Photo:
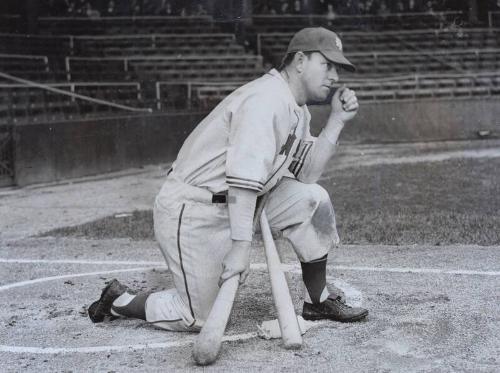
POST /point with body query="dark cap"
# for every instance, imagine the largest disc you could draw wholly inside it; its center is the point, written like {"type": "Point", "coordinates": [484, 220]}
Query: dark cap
{"type": "Point", "coordinates": [319, 39]}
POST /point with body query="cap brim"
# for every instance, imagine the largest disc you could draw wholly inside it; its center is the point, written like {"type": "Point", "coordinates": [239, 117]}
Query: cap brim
{"type": "Point", "coordinates": [338, 58]}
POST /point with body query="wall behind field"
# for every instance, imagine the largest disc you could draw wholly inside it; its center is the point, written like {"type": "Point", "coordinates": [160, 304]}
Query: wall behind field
{"type": "Point", "coordinates": [414, 121]}
{"type": "Point", "coordinates": [47, 152]}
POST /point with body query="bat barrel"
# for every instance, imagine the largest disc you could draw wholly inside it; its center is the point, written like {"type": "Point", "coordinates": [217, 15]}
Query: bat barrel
{"type": "Point", "coordinates": [208, 343]}
{"type": "Point", "coordinates": [289, 326]}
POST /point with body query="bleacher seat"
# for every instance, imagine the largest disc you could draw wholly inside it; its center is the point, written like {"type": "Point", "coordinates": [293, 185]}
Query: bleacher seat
{"type": "Point", "coordinates": [126, 25]}
{"type": "Point", "coordinates": [165, 68]}
{"type": "Point", "coordinates": [21, 103]}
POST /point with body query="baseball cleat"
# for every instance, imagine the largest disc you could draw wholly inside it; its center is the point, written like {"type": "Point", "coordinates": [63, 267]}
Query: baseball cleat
{"type": "Point", "coordinates": [102, 307]}
{"type": "Point", "coordinates": [333, 309]}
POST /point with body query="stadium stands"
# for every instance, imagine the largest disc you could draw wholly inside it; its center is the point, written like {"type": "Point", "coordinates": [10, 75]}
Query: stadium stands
{"type": "Point", "coordinates": [21, 103]}
{"type": "Point", "coordinates": [401, 21]}
{"type": "Point", "coordinates": [186, 67]}
{"type": "Point", "coordinates": [188, 63]}
{"type": "Point", "coordinates": [203, 95]}
{"type": "Point", "coordinates": [272, 45]}
{"type": "Point", "coordinates": [126, 25]}
{"type": "Point", "coordinates": [35, 44]}
{"type": "Point", "coordinates": [26, 66]}
{"type": "Point", "coordinates": [156, 44]}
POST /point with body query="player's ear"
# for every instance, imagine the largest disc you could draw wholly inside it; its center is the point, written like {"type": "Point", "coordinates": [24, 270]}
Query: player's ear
{"type": "Point", "coordinates": [300, 58]}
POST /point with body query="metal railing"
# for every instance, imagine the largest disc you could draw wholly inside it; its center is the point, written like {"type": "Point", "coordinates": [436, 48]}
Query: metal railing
{"type": "Point", "coordinates": [27, 57]}
{"type": "Point", "coordinates": [190, 95]}
{"type": "Point", "coordinates": [25, 99]}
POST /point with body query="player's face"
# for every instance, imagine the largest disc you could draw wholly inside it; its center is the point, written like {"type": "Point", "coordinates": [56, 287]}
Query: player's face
{"type": "Point", "coordinates": [318, 77]}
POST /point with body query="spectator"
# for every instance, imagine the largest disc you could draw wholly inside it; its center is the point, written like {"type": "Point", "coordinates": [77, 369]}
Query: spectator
{"type": "Point", "coordinates": [200, 10]}
{"type": "Point", "coordinates": [383, 9]}
{"type": "Point", "coordinates": [80, 9]}
{"type": "Point", "coordinates": [110, 9]}
{"type": "Point", "coordinates": [399, 7]}
{"type": "Point", "coordinates": [91, 13]}
{"type": "Point", "coordinates": [297, 8]}
{"type": "Point", "coordinates": [429, 7]}
{"type": "Point", "coordinates": [330, 14]}
{"type": "Point", "coordinates": [369, 7]}
{"type": "Point", "coordinates": [136, 7]}
{"type": "Point", "coordinates": [166, 8]}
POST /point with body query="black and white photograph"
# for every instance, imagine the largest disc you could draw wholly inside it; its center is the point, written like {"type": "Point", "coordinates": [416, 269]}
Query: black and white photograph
{"type": "Point", "coordinates": [250, 186]}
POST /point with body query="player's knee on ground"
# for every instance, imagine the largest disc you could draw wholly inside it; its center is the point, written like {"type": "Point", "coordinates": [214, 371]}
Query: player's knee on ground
{"type": "Point", "coordinates": [166, 310]}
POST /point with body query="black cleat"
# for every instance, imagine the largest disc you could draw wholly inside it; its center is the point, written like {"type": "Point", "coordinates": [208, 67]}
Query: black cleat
{"type": "Point", "coordinates": [102, 307]}
{"type": "Point", "coordinates": [333, 309]}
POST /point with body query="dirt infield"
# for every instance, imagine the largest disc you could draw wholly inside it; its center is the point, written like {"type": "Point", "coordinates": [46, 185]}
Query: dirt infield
{"type": "Point", "coordinates": [421, 250]}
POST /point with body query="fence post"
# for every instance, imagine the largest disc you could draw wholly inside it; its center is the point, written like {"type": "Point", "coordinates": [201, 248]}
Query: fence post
{"type": "Point", "coordinates": [158, 101]}
{"type": "Point", "coordinates": [189, 94]}
{"type": "Point", "coordinates": [68, 71]}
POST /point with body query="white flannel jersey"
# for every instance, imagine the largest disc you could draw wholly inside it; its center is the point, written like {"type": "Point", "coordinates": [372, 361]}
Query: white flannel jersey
{"type": "Point", "coordinates": [253, 138]}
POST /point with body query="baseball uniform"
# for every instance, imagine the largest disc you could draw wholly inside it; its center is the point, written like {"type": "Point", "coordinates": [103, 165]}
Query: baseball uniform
{"type": "Point", "coordinates": [258, 139]}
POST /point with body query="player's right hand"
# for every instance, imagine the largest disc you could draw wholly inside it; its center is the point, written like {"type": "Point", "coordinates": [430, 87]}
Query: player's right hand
{"type": "Point", "coordinates": [344, 104]}
{"type": "Point", "coordinates": [236, 261]}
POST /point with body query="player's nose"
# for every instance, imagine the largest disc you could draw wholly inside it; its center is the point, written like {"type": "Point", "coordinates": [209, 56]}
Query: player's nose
{"type": "Point", "coordinates": [333, 76]}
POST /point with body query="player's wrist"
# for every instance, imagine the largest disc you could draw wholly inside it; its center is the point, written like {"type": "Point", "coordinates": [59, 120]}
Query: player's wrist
{"type": "Point", "coordinates": [242, 245]}
{"type": "Point", "coordinates": [335, 120]}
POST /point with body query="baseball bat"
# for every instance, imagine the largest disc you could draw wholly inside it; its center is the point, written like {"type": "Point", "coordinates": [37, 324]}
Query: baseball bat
{"type": "Point", "coordinates": [208, 343]}
{"type": "Point", "coordinates": [289, 326]}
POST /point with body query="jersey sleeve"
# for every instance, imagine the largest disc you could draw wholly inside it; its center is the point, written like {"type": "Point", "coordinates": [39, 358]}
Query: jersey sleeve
{"type": "Point", "coordinates": [254, 140]}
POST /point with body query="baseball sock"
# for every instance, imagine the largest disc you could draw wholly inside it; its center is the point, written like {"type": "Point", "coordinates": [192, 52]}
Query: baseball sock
{"type": "Point", "coordinates": [129, 305]}
{"type": "Point", "coordinates": [314, 277]}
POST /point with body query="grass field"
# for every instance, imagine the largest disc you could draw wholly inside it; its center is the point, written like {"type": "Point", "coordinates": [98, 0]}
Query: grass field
{"type": "Point", "coordinates": [436, 203]}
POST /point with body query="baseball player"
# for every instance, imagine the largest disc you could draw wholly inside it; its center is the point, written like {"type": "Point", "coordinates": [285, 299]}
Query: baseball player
{"type": "Point", "coordinates": [256, 141]}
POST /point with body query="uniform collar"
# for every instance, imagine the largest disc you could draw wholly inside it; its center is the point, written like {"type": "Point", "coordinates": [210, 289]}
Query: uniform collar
{"type": "Point", "coordinates": [276, 74]}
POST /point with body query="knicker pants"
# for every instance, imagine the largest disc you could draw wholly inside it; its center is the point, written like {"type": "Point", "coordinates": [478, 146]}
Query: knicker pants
{"type": "Point", "coordinates": [194, 236]}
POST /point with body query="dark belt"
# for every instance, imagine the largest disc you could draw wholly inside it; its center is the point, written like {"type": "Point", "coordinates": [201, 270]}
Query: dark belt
{"type": "Point", "coordinates": [220, 197]}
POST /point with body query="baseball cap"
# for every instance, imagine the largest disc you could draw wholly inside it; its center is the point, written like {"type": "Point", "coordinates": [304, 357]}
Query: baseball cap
{"type": "Point", "coordinates": [312, 39]}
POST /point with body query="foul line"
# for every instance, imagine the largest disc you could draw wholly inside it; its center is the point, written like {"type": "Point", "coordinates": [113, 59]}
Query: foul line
{"type": "Point", "coordinates": [255, 266]}
{"type": "Point", "coordinates": [78, 261]}
{"type": "Point", "coordinates": [52, 278]}
{"type": "Point", "coordinates": [65, 350]}
{"type": "Point", "coordinates": [421, 270]}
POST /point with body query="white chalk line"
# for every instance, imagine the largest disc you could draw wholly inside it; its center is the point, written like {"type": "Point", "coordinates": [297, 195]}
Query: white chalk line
{"type": "Point", "coordinates": [261, 266]}
{"type": "Point", "coordinates": [141, 346]}
{"type": "Point", "coordinates": [351, 292]}
{"type": "Point", "coordinates": [354, 296]}
{"type": "Point", "coordinates": [61, 277]}
{"type": "Point", "coordinates": [421, 270]}
{"type": "Point", "coordinates": [81, 261]}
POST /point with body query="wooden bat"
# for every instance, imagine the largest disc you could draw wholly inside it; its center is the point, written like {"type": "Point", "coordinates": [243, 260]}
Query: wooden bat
{"type": "Point", "coordinates": [208, 343]}
{"type": "Point", "coordinates": [289, 326]}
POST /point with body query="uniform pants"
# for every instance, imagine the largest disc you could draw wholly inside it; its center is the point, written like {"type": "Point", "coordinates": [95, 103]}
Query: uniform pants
{"type": "Point", "coordinates": [194, 236]}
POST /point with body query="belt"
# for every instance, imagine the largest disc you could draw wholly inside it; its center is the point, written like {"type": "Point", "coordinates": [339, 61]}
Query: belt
{"type": "Point", "coordinates": [220, 197]}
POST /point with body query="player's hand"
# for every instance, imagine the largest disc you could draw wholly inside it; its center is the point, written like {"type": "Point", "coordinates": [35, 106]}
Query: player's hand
{"type": "Point", "coordinates": [236, 261]}
{"type": "Point", "coordinates": [344, 104]}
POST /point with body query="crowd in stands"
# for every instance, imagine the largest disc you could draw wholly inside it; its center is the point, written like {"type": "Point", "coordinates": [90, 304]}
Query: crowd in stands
{"type": "Point", "coordinates": [110, 8]}
{"type": "Point", "coordinates": [97, 8]}
{"type": "Point", "coordinates": [353, 7]}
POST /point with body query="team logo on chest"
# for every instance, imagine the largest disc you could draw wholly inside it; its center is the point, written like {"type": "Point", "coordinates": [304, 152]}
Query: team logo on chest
{"type": "Point", "coordinates": [287, 147]}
